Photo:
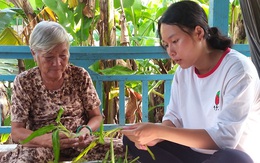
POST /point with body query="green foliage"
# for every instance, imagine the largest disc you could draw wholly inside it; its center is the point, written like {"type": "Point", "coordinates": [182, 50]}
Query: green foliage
{"type": "Point", "coordinates": [235, 10]}
{"type": "Point", "coordinates": [36, 4]}
{"type": "Point", "coordinates": [5, 4]}
{"type": "Point", "coordinates": [6, 16]}
{"type": "Point", "coordinates": [55, 129]}
{"type": "Point", "coordinates": [10, 37]}
{"type": "Point", "coordinates": [126, 3]}
{"type": "Point", "coordinates": [151, 153]}
{"type": "Point", "coordinates": [142, 21]}
{"type": "Point", "coordinates": [117, 70]}
{"type": "Point", "coordinates": [39, 132]}
{"type": "Point", "coordinates": [5, 137]}
{"type": "Point", "coordinates": [101, 134]}
{"type": "Point", "coordinates": [56, 145]}
{"type": "Point", "coordinates": [29, 63]}
{"type": "Point", "coordinates": [77, 25]}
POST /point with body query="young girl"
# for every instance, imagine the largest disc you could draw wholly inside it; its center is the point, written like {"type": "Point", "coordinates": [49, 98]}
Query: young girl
{"type": "Point", "coordinates": [213, 114]}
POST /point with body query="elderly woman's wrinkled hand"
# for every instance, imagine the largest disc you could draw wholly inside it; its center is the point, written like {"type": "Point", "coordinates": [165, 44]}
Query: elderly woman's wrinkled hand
{"type": "Point", "coordinates": [84, 140]}
{"type": "Point", "coordinates": [75, 142]}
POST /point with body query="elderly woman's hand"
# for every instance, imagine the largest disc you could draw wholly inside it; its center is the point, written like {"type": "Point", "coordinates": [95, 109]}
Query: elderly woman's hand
{"type": "Point", "coordinates": [81, 141]}
{"type": "Point", "coordinates": [85, 138]}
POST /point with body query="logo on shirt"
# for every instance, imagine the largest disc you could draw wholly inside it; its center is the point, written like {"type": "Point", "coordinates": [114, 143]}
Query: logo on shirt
{"type": "Point", "coordinates": [216, 106]}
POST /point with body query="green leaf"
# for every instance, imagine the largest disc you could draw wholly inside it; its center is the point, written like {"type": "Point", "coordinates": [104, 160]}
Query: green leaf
{"type": "Point", "coordinates": [65, 15]}
{"type": "Point", "coordinates": [126, 154]}
{"type": "Point", "coordinates": [56, 145]}
{"type": "Point", "coordinates": [112, 151]}
{"type": "Point", "coordinates": [32, 3]}
{"type": "Point", "coordinates": [85, 151]}
{"type": "Point", "coordinates": [64, 130]}
{"type": "Point", "coordinates": [101, 134]}
{"type": "Point", "coordinates": [5, 4]}
{"type": "Point", "coordinates": [236, 2]}
{"type": "Point", "coordinates": [137, 6]}
{"type": "Point", "coordinates": [38, 4]}
{"type": "Point", "coordinates": [7, 121]}
{"type": "Point", "coordinates": [160, 12]}
{"type": "Point", "coordinates": [151, 153]}
{"type": "Point", "coordinates": [135, 160]}
{"type": "Point", "coordinates": [39, 132]}
{"type": "Point", "coordinates": [117, 70]}
{"type": "Point", "coordinates": [105, 160]}
{"type": "Point", "coordinates": [21, 13]}
{"type": "Point", "coordinates": [112, 132]}
{"type": "Point", "coordinates": [4, 138]}
{"type": "Point", "coordinates": [59, 8]}
{"type": "Point", "coordinates": [29, 63]}
{"type": "Point", "coordinates": [95, 66]}
{"type": "Point", "coordinates": [59, 114]}
{"type": "Point", "coordinates": [126, 3]}
{"type": "Point", "coordinates": [6, 16]}
{"type": "Point", "coordinates": [156, 106]}
{"type": "Point", "coordinates": [10, 37]}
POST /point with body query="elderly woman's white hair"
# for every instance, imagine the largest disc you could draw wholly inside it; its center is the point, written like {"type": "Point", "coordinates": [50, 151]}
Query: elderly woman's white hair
{"type": "Point", "coordinates": [46, 35]}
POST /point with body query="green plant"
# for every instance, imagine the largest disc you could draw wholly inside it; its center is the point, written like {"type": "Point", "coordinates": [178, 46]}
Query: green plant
{"type": "Point", "coordinates": [55, 129]}
{"type": "Point", "coordinates": [101, 134]}
{"type": "Point", "coordinates": [100, 139]}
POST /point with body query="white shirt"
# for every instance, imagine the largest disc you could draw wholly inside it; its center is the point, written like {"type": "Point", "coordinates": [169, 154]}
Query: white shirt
{"type": "Point", "coordinates": [224, 102]}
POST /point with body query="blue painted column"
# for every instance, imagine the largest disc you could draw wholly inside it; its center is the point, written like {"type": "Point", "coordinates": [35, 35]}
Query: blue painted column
{"type": "Point", "coordinates": [218, 15]}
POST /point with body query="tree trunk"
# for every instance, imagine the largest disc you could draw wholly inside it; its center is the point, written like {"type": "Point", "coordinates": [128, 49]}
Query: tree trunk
{"type": "Point", "coordinates": [106, 28]}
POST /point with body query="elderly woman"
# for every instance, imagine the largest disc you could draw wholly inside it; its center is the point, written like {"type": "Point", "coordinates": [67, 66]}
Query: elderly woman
{"type": "Point", "coordinates": [40, 92]}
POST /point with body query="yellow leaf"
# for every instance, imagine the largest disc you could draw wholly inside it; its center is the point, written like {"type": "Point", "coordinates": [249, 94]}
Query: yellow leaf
{"type": "Point", "coordinates": [10, 37]}
{"type": "Point", "coordinates": [72, 3]}
{"type": "Point", "coordinates": [50, 13]}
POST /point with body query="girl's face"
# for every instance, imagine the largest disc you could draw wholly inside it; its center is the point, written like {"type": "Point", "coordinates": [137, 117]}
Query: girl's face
{"type": "Point", "coordinates": [53, 63]}
{"type": "Point", "coordinates": [183, 48]}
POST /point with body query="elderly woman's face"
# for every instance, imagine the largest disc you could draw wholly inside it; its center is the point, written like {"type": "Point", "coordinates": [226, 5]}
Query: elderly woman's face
{"type": "Point", "coordinates": [53, 64]}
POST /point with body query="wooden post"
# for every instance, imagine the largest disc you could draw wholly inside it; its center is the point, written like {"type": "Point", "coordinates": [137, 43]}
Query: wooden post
{"type": "Point", "coordinates": [218, 15]}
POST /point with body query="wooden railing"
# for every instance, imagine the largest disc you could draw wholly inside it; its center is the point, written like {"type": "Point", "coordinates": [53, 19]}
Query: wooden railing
{"type": "Point", "coordinates": [86, 56]}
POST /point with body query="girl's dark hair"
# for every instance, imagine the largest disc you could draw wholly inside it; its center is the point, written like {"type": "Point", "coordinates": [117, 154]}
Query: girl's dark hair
{"type": "Point", "coordinates": [188, 15]}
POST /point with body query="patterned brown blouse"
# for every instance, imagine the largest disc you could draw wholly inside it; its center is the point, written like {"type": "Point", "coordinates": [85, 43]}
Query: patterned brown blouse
{"type": "Point", "coordinates": [36, 106]}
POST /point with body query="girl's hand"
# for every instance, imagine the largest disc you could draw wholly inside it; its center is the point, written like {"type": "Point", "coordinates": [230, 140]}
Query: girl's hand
{"type": "Point", "coordinates": [141, 147]}
{"type": "Point", "coordinates": [154, 142]}
{"type": "Point", "coordinates": [142, 134]}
